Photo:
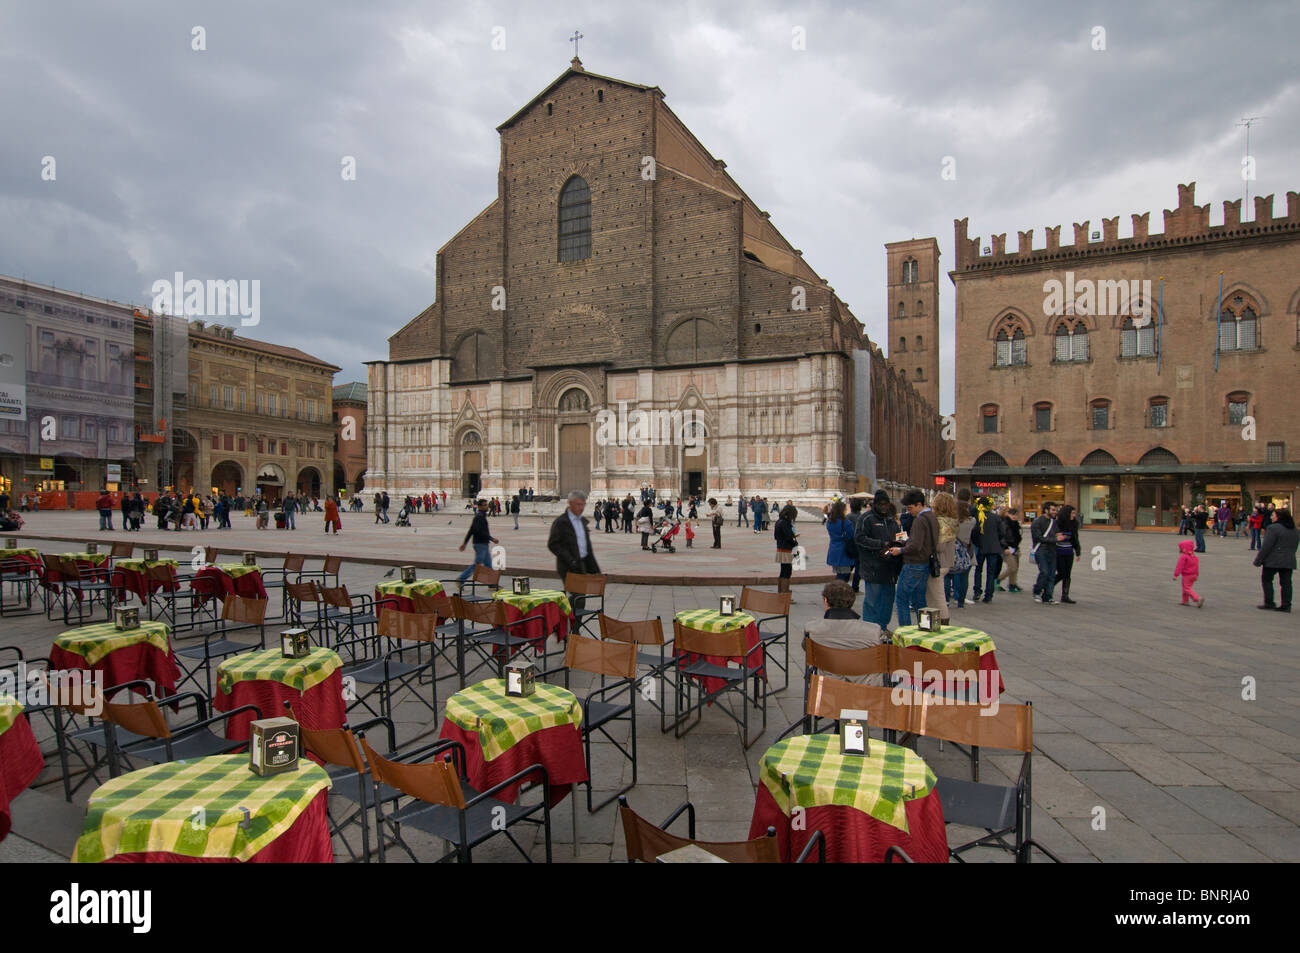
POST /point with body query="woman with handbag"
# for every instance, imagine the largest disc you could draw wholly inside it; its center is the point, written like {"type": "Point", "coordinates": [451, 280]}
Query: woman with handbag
{"type": "Point", "coordinates": [786, 540]}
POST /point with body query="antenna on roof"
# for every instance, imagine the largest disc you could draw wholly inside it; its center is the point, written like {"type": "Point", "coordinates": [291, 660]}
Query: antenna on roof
{"type": "Point", "coordinates": [1248, 164]}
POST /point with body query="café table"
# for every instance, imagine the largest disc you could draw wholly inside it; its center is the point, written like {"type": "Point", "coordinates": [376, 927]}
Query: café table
{"type": "Point", "coordinates": [223, 579]}
{"type": "Point", "coordinates": [265, 678]}
{"type": "Point", "coordinates": [401, 592]}
{"type": "Point", "coordinates": [94, 560]}
{"type": "Point", "coordinates": [20, 756]}
{"type": "Point", "coordinates": [552, 605]}
{"type": "Point", "coordinates": [862, 804]}
{"type": "Point", "coordinates": [123, 655]}
{"type": "Point", "coordinates": [711, 620]}
{"type": "Point", "coordinates": [32, 557]}
{"type": "Point", "coordinates": [503, 734]}
{"type": "Point", "coordinates": [209, 810]}
{"type": "Point", "coordinates": [134, 577]}
{"type": "Point", "coordinates": [953, 639]}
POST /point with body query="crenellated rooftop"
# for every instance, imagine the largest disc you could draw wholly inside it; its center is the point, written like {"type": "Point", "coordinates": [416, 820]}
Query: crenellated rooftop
{"type": "Point", "coordinates": [1186, 225]}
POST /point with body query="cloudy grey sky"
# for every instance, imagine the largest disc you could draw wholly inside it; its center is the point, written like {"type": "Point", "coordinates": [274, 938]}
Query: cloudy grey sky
{"type": "Point", "coordinates": [225, 163]}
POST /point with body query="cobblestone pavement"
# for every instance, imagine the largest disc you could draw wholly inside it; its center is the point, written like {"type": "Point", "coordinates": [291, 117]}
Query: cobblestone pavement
{"type": "Point", "coordinates": [1145, 747]}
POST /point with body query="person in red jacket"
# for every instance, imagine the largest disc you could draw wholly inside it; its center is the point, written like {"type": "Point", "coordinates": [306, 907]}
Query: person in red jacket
{"type": "Point", "coordinates": [332, 517]}
{"type": "Point", "coordinates": [105, 506]}
{"type": "Point", "coordinates": [1189, 567]}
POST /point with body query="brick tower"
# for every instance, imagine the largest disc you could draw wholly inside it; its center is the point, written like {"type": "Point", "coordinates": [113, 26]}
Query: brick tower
{"type": "Point", "coordinates": [913, 281]}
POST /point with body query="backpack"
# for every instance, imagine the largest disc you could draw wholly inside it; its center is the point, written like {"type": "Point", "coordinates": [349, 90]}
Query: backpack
{"type": "Point", "coordinates": [961, 558]}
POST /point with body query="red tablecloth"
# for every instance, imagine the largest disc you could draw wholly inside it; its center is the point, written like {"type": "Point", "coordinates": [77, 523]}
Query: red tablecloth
{"type": "Point", "coordinates": [853, 837]}
{"type": "Point", "coordinates": [557, 749]}
{"type": "Point", "coordinates": [136, 582]}
{"type": "Point", "coordinates": [126, 665]}
{"type": "Point", "coordinates": [751, 639]}
{"type": "Point", "coordinates": [553, 622]}
{"type": "Point", "coordinates": [248, 585]}
{"type": "Point", "coordinates": [990, 677]}
{"type": "Point", "coordinates": [20, 763]}
{"type": "Point", "coordinates": [320, 707]}
{"type": "Point", "coordinates": [307, 841]}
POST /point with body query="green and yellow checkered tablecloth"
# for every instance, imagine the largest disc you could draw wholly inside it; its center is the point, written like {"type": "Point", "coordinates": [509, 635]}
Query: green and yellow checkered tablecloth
{"type": "Point", "coordinates": [270, 665]}
{"type": "Point", "coordinates": [235, 570]}
{"type": "Point", "coordinates": [11, 553]}
{"type": "Point", "coordinates": [195, 808]}
{"type": "Point", "coordinates": [95, 559]}
{"type": "Point", "coordinates": [10, 709]}
{"type": "Point", "coordinates": [425, 587]}
{"type": "Point", "coordinates": [526, 604]}
{"type": "Point", "coordinates": [809, 771]}
{"type": "Point", "coordinates": [711, 620]}
{"type": "Point", "coordinates": [953, 639]}
{"type": "Point", "coordinates": [503, 720]}
{"type": "Point", "coordinates": [93, 642]}
{"type": "Point", "coordinates": [139, 565]}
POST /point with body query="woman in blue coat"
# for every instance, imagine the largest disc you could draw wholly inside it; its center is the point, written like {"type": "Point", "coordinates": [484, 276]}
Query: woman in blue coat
{"type": "Point", "coordinates": [840, 531]}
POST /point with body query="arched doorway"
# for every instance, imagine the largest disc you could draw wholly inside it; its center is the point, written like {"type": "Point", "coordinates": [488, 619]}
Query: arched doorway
{"type": "Point", "coordinates": [270, 481]}
{"type": "Point", "coordinates": [694, 460]}
{"type": "Point", "coordinates": [309, 482]}
{"type": "Point", "coordinates": [574, 431]}
{"type": "Point", "coordinates": [471, 463]}
{"type": "Point", "coordinates": [340, 479]}
{"type": "Point", "coordinates": [228, 477]}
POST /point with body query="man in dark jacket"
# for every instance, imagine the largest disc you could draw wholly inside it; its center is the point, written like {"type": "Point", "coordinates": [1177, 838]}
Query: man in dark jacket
{"type": "Point", "coordinates": [876, 533]}
{"type": "Point", "coordinates": [1276, 557]}
{"type": "Point", "coordinates": [988, 551]}
{"type": "Point", "coordinates": [1011, 535]}
{"type": "Point", "coordinates": [481, 537]}
{"type": "Point", "coordinates": [1042, 533]}
{"type": "Point", "coordinates": [922, 543]}
{"type": "Point", "coordinates": [570, 540]}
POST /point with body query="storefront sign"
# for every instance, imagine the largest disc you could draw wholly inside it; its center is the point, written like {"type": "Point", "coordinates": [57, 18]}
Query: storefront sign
{"type": "Point", "coordinates": [47, 463]}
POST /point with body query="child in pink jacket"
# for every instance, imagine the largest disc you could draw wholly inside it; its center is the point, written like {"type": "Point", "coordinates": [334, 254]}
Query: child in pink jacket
{"type": "Point", "coordinates": [1189, 567]}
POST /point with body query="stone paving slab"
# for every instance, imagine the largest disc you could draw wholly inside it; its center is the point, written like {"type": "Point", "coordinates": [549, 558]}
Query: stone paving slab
{"type": "Point", "coordinates": [1137, 705]}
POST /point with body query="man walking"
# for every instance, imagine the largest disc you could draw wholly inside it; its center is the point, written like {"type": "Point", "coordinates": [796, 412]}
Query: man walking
{"type": "Point", "coordinates": [1042, 533]}
{"type": "Point", "coordinates": [385, 505]}
{"type": "Point", "coordinates": [290, 507]}
{"type": "Point", "coordinates": [742, 513]}
{"type": "Point", "coordinates": [922, 543]}
{"type": "Point", "coordinates": [992, 541]}
{"type": "Point", "coordinates": [482, 538]}
{"type": "Point", "coordinates": [570, 539]}
{"type": "Point", "coordinates": [514, 509]}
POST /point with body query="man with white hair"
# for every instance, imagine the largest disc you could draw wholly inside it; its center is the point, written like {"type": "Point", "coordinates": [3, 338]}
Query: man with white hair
{"type": "Point", "coordinates": [570, 539]}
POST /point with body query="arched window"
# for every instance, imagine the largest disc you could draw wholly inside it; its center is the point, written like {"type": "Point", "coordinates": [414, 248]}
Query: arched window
{"type": "Point", "coordinates": [1043, 458]}
{"type": "Point", "coordinates": [902, 310]}
{"type": "Point", "coordinates": [989, 460]}
{"type": "Point", "coordinates": [1071, 340]}
{"type": "Point", "coordinates": [1042, 416]}
{"type": "Point", "coordinates": [1135, 341]}
{"type": "Point", "coordinates": [1009, 344]}
{"type": "Point", "coordinates": [1100, 411]}
{"type": "Point", "coordinates": [920, 306]}
{"type": "Point", "coordinates": [1238, 324]}
{"type": "Point", "coordinates": [1159, 456]}
{"type": "Point", "coordinates": [903, 373]}
{"type": "Point", "coordinates": [902, 343]}
{"type": "Point", "coordinates": [692, 341]}
{"type": "Point", "coordinates": [919, 346]}
{"type": "Point", "coordinates": [575, 220]}
{"type": "Point", "coordinates": [1158, 412]}
{"type": "Point", "coordinates": [910, 271]}
{"type": "Point", "coordinates": [1238, 407]}
{"type": "Point", "coordinates": [989, 418]}
{"type": "Point", "coordinates": [920, 374]}
{"type": "Point", "coordinates": [1098, 458]}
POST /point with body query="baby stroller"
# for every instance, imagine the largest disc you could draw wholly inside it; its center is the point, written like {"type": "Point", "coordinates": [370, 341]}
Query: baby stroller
{"type": "Point", "coordinates": [404, 517]}
{"type": "Point", "coordinates": [665, 529]}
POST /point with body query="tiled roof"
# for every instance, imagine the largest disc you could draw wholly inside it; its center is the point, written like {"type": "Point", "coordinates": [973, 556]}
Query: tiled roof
{"type": "Point", "coordinates": [353, 390]}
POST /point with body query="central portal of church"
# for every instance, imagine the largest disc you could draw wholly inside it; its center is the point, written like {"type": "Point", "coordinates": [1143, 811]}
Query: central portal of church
{"type": "Point", "coordinates": [575, 458]}
{"type": "Point", "coordinates": [694, 469]}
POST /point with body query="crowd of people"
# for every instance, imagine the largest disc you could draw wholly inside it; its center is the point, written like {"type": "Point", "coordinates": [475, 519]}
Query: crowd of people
{"type": "Point", "coordinates": [1224, 519]}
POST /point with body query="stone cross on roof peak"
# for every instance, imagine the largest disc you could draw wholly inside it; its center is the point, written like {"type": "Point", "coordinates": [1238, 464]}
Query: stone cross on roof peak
{"type": "Point", "coordinates": [575, 62]}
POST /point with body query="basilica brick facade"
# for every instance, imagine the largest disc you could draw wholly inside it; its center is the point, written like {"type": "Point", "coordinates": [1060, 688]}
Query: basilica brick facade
{"type": "Point", "coordinates": [621, 269]}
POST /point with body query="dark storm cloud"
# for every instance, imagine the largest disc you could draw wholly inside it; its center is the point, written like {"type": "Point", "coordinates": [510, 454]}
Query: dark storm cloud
{"type": "Point", "coordinates": [226, 163]}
